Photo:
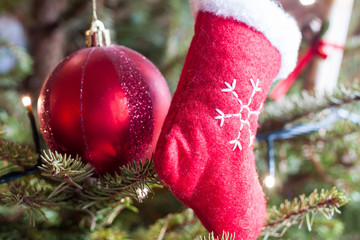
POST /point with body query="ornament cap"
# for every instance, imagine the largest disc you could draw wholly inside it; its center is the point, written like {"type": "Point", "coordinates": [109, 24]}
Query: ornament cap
{"type": "Point", "coordinates": [97, 35]}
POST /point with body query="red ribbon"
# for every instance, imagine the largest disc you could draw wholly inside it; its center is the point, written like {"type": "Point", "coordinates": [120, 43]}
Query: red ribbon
{"type": "Point", "coordinates": [317, 49]}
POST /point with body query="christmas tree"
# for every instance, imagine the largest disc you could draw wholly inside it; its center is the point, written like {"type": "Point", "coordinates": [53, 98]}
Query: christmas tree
{"type": "Point", "coordinates": [306, 150]}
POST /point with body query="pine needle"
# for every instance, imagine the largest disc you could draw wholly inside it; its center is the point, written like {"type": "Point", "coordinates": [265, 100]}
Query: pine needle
{"type": "Point", "coordinates": [20, 155]}
{"type": "Point", "coordinates": [70, 172]}
{"type": "Point", "coordinates": [133, 180]}
{"type": "Point", "coordinates": [303, 209]}
{"type": "Point", "coordinates": [29, 193]}
{"type": "Point", "coordinates": [294, 107]}
{"type": "Point", "coordinates": [225, 236]}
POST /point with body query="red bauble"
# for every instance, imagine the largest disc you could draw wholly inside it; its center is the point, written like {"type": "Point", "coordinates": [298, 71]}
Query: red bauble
{"type": "Point", "coordinates": [106, 104]}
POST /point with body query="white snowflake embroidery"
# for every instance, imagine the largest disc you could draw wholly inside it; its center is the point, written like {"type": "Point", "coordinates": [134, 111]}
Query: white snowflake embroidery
{"type": "Point", "coordinates": [244, 120]}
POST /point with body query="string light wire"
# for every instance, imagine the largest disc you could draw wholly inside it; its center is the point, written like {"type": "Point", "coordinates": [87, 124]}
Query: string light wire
{"type": "Point", "coordinates": [302, 129]}
{"type": "Point", "coordinates": [14, 175]}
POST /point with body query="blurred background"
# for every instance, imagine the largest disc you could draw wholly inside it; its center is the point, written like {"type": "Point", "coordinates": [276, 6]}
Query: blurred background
{"type": "Point", "coordinates": [35, 35]}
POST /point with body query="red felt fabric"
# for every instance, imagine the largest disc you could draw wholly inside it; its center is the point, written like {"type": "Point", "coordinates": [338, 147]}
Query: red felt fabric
{"type": "Point", "coordinates": [194, 156]}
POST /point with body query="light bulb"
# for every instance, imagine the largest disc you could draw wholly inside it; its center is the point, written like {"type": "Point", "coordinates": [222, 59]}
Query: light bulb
{"type": "Point", "coordinates": [269, 181]}
{"type": "Point", "coordinates": [26, 101]}
{"type": "Point", "coordinates": [142, 193]}
{"type": "Point", "coordinates": [307, 2]}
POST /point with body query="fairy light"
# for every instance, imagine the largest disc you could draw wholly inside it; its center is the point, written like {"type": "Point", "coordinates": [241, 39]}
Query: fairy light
{"type": "Point", "coordinates": [26, 100]}
{"type": "Point", "coordinates": [142, 193]}
{"type": "Point", "coordinates": [307, 2]}
{"type": "Point", "coordinates": [269, 181]}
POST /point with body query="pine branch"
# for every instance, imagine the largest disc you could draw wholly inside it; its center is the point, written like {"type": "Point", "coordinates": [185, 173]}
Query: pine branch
{"type": "Point", "coordinates": [133, 180]}
{"type": "Point", "coordinates": [104, 215]}
{"type": "Point", "coordinates": [19, 154]}
{"type": "Point", "coordinates": [184, 224]}
{"type": "Point", "coordinates": [70, 172]}
{"type": "Point", "coordinates": [173, 225]}
{"type": "Point", "coordinates": [31, 194]}
{"type": "Point", "coordinates": [225, 236]}
{"type": "Point", "coordinates": [294, 107]}
{"type": "Point", "coordinates": [16, 157]}
{"type": "Point", "coordinates": [303, 209]}
{"type": "Point", "coordinates": [103, 198]}
{"type": "Point", "coordinates": [69, 184]}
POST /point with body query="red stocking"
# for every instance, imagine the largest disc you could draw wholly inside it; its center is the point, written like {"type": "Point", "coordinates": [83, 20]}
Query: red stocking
{"type": "Point", "coordinates": [204, 154]}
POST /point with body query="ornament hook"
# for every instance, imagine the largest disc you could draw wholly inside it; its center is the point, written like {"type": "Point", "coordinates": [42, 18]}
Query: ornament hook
{"type": "Point", "coordinates": [97, 35]}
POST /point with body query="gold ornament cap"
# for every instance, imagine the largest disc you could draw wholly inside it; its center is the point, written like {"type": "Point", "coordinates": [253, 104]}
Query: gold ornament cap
{"type": "Point", "coordinates": [97, 35]}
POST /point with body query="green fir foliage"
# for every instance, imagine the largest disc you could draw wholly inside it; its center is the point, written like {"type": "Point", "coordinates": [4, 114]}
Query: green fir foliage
{"type": "Point", "coordinates": [179, 226]}
{"type": "Point", "coordinates": [69, 172]}
{"type": "Point", "coordinates": [301, 211]}
{"type": "Point", "coordinates": [66, 182]}
{"type": "Point", "coordinates": [66, 200]}
{"type": "Point", "coordinates": [291, 108]}
{"type": "Point", "coordinates": [225, 236]}
{"type": "Point", "coordinates": [134, 180]}
{"type": "Point", "coordinates": [15, 157]}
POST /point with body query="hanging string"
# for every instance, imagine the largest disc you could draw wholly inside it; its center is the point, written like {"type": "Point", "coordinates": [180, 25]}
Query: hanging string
{"type": "Point", "coordinates": [317, 49]}
{"type": "Point", "coordinates": [303, 129]}
{"type": "Point", "coordinates": [94, 10]}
